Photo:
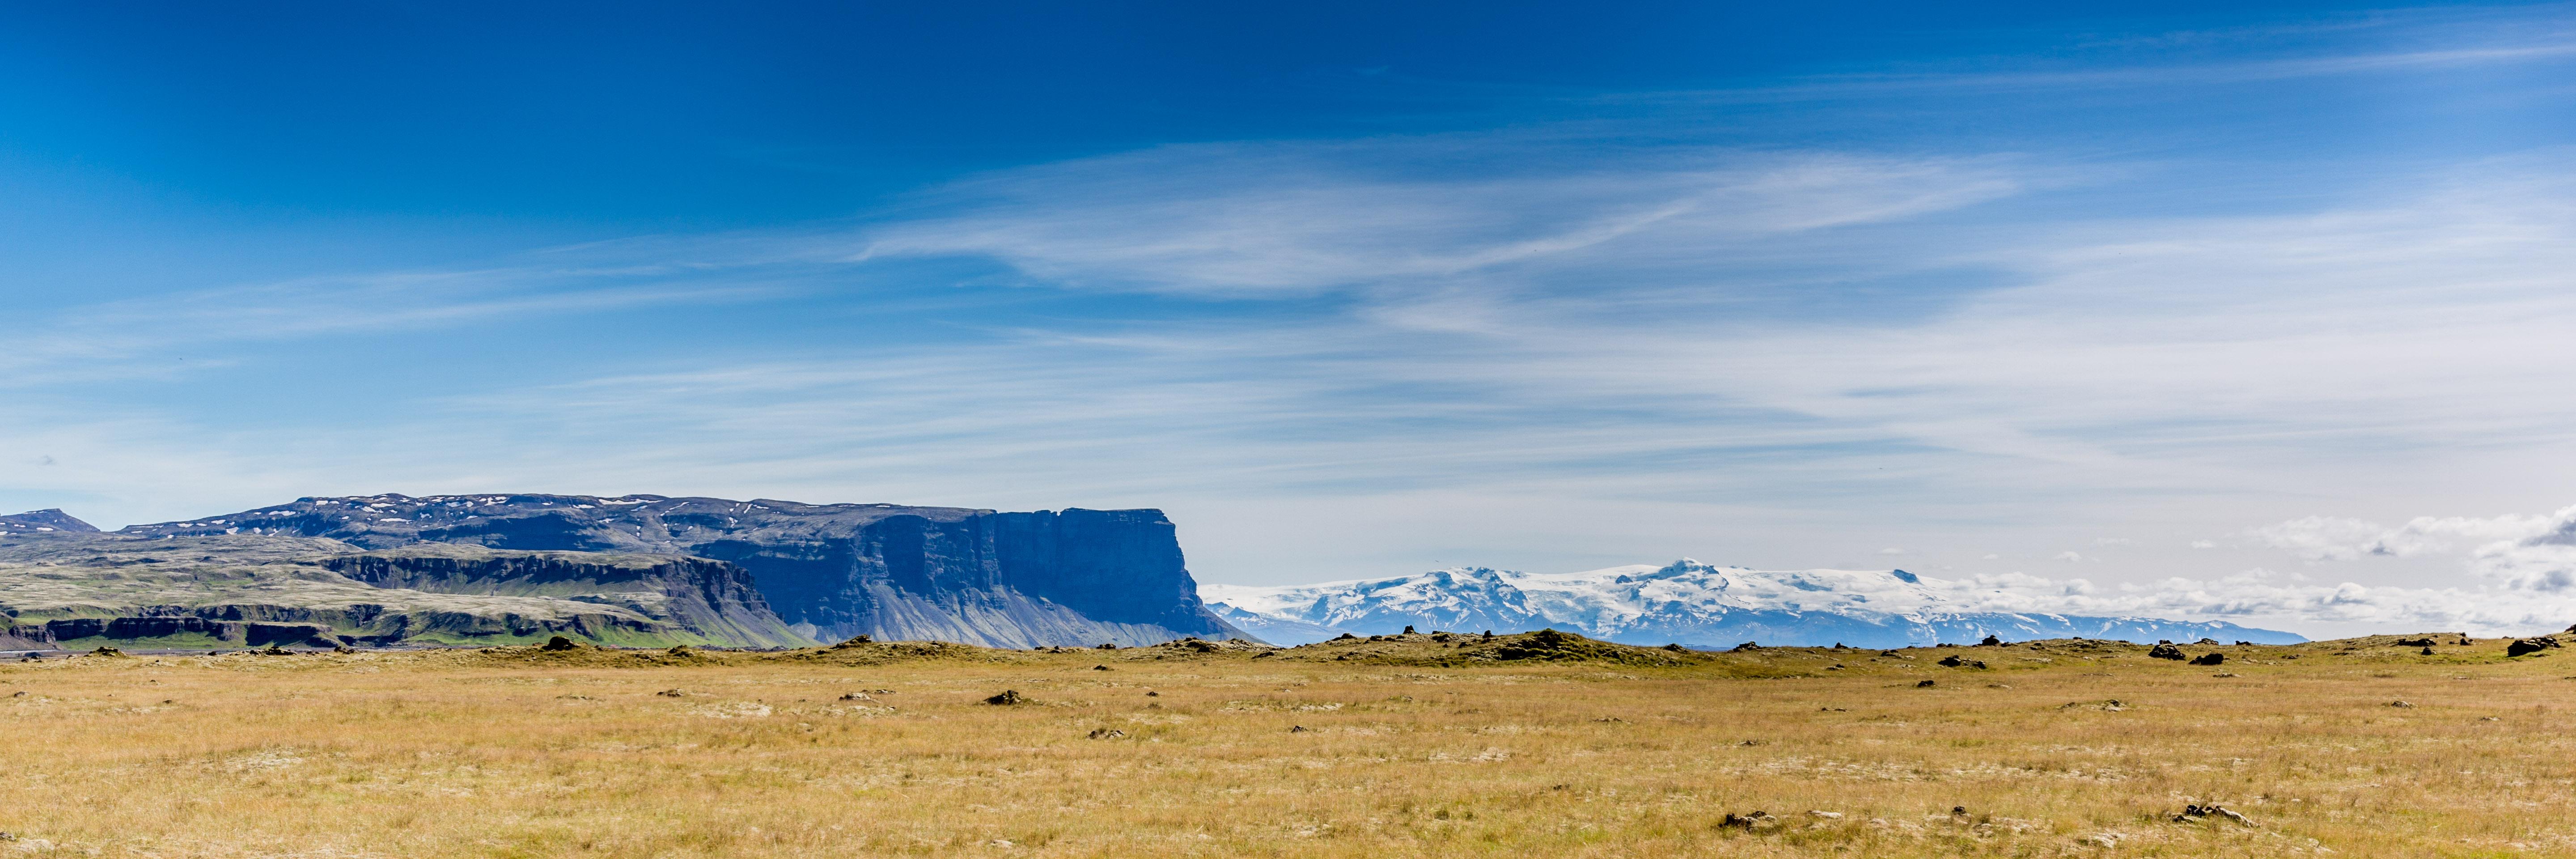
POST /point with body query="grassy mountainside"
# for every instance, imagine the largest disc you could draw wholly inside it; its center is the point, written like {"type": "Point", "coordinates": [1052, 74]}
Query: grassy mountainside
{"type": "Point", "coordinates": [1520, 747]}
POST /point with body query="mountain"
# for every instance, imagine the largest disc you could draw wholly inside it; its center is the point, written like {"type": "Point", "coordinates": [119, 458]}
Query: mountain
{"type": "Point", "coordinates": [75, 589]}
{"type": "Point", "coordinates": [830, 571]}
{"type": "Point", "coordinates": [1686, 602]}
{"type": "Point", "coordinates": [40, 521]}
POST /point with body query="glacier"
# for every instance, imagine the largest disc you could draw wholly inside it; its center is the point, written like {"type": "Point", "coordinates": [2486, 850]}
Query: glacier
{"type": "Point", "coordinates": [1685, 602]}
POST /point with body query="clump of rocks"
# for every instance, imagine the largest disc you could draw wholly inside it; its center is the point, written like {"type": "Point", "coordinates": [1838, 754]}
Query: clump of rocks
{"type": "Point", "coordinates": [1756, 820]}
{"type": "Point", "coordinates": [2166, 651]}
{"type": "Point", "coordinates": [2528, 646]}
{"type": "Point", "coordinates": [2210, 658]}
{"type": "Point", "coordinates": [2197, 812]}
{"type": "Point", "coordinates": [1007, 698]}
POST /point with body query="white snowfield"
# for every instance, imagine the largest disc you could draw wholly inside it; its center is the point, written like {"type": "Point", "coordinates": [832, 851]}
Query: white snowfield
{"type": "Point", "coordinates": [1686, 602]}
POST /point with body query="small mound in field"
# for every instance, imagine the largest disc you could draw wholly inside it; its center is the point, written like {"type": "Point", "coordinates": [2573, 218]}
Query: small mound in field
{"type": "Point", "coordinates": [1199, 647]}
{"type": "Point", "coordinates": [1546, 645]}
{"type": "Point", "coordinates": [861, 651]}
{"type": "Point", "coordinates": [581, 655]}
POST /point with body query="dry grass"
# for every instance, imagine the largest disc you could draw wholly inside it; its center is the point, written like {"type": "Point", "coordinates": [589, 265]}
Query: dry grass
{"type": "Point", "coordinates": [522, 753]}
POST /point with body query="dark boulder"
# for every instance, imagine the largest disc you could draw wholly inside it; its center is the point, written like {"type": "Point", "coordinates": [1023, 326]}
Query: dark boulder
{"type": "Point", "coordinates": [2212, 658]}
{"type": "Point", "coordinates": [1756, 820]}
{"type": "Point", "coordinates": [2166, 651]}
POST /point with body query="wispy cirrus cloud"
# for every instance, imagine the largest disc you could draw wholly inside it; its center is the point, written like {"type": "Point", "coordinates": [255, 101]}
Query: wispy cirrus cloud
{"type": "Point", "coordinates": [1281, 220]}
{"type": "Point", "coordinates": [126, 337]}
{"type": "Point", "coordinates": [2412, 42]}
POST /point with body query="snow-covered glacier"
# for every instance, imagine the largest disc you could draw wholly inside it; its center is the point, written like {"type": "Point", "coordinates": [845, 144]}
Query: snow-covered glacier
{"type": "Point", "coordinates": [1685, 602]}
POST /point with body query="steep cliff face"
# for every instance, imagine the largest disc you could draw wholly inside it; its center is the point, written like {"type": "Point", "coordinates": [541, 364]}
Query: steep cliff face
{"type": "Point", "coordinates": [1076, 577]}
{"type": "Point", "coordinates": [711, 599]}
{"type": "Point", "coordinates": [66, 589]}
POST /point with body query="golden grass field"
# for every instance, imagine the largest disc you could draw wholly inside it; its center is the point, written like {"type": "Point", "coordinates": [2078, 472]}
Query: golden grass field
{"type": "Point", "coordinates": [520, 752]}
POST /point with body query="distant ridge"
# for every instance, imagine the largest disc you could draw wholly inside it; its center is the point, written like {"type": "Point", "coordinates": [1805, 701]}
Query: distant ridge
{"type": "Point", "coordinates": [1685, 602]}
{"type": "Point", "coordinates": [830, 571]}
{"type": "Point", "coordinates": [45, 520]}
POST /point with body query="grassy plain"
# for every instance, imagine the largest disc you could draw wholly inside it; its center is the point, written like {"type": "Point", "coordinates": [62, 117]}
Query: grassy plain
{"type": "Point", "coordinates": [888, 750]}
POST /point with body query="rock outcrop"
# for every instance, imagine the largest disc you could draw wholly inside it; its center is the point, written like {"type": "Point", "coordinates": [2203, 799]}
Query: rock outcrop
{"type": "Point", "coordinates": [830, 571]}
{"type": "Point", "coordinates": [74, 590]}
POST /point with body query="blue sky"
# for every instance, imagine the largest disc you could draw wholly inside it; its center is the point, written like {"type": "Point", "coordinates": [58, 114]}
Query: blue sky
{"type": "Point", "coordinates": [2190, 308]}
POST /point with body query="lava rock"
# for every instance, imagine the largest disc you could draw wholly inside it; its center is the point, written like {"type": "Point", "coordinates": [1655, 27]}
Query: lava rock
{"type": "Point", "coordinates": [1756, 820]}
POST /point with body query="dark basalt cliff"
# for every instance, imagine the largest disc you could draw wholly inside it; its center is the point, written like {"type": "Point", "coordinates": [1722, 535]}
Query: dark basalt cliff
{"type": "Point", "coordinates": [68, 589]}
{"type": "Point", "coordinates": [712, 599]}
{"type": "Point", "coordinates": [1076, 577]}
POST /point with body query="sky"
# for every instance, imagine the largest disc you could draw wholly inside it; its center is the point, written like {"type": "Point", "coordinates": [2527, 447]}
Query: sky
{"type": "Point", "coordinates": [2257, 313]}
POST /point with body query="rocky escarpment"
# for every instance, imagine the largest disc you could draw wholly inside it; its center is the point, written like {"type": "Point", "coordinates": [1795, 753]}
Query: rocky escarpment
{"type": "Point", "coordinates": [1075, 577]}
{"type": "Point", "coordinates": [77, 590]}
{"type": "Point", "coordinates": [707, 598]}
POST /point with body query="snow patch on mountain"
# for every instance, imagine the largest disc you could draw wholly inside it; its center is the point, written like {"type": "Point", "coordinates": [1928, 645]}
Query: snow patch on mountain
{"type": "Point", "coordinates": [1690, 603]}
